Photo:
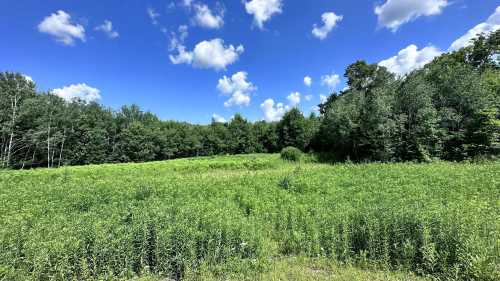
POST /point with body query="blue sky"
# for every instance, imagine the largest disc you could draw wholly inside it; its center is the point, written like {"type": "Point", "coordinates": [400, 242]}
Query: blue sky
{"type": "Point", "coordinates": [188, 60]}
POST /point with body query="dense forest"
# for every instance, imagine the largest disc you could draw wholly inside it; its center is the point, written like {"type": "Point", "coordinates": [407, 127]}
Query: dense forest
{"type": "Point", "coordinates": [449, 109]}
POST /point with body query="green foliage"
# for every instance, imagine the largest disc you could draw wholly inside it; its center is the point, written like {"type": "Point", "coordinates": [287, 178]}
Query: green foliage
{"type": "Point", "coordinates": [243, 140]}
{"type": "Point", "coordinates": [39, 129]}
{"type": "Point", "coordinates": [447, 110]}
{"type": "Point", "coordinates": [292, 130]}
{"type": "Point", "coordinates": [236, 215]}
{"type": "Point", "coordinates": [366, 77]}
{"type": "Point", "coordinates": [291, 153]}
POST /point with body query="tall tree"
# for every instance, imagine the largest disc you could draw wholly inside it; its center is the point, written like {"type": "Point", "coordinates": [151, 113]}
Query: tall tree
{"type": "Point", "coordinates": [14, 90]}
{"type": "Point", "coordinates": [292, 130]}
{"type": "Point", "coordinates": [242, 139]}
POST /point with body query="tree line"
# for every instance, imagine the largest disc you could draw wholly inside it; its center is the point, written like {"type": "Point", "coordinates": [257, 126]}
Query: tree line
{"type": "Point", "coordinates": [449, 109]}
{"type": "Point", "coordinates": [43, 130]}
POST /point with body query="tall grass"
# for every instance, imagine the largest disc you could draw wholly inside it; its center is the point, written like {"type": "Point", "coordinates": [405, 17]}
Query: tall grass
{"type": "Point", "coordinates": [236, 214]}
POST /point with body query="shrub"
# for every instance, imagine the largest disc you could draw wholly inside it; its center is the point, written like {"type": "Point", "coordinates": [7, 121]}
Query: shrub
{"type": "Point", "coordinates": [291, 154]}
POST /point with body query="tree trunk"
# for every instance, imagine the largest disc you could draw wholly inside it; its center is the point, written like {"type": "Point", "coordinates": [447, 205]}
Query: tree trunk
{"type": "Point", "coordinates": [12, 127]}
{"type": "Point", "coordinates": [52, 157]}
{"type": "Point", "coordinates": [25, 156]}
{"type": "Point", "coordinates": [33, 157]}
{"type": "Point", "coordinates": [62, 148]}
{"type": "Point", "coordinates": [48, 145]}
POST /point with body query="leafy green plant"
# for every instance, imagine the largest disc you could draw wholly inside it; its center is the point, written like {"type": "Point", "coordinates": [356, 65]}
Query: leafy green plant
{"type": "Point", "coordinates": [291, 154]}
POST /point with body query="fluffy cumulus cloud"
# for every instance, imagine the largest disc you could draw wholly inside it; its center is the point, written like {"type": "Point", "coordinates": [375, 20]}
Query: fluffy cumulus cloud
{"type": "Point", "coordinates": [218, 118]}
{"type": "Point", "coordinates": [308, 81]}
{"type": "Point", "coordinates": [237, 88]}
{"type": "Point", "coordinates": [263, 10]}
{"type": "Point", "coordinates": [208, 54]}
{"type": "Point", "coordinates": [60, 26]}
{"type": "Point", "coordinates": [153, 15]}
{"type": "Point", "coordinates": [293, 99]}
{"type": "Point", "coordinates": [204, 17]}
{"type": "Point", "coordinates": [409, 59]}
{"type": "Point", "coordinates": [308, 97]}
{"type": "Point", "coordinates": [238, 99]}
{"type": "Point", "coordinates": [330, 80]}
{"type": "Point", "coordinates": [78, 91]}
{"type": "Point", "coordinates": [107, 28]}
{"type": "Point", "coordinates": [273, 112]}
{"type": "Point", "coordinates": [490, 25]}
{"type": "Point", "coordinates": [394, 13]}
{"type": "Point", "coordinates": [330, 20]}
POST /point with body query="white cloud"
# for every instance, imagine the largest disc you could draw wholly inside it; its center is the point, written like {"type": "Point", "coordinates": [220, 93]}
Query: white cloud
{"type": "Point", "coordinates": [213, 54]}
{"type": "Point", "coordinates": [308, 81]}
{"type": "Point", "coordinates": [59, 25]}
{"type": "Point", "coordinates": [308, 97]}
{"type": "Point", "coordinates": [410, 58]}
{"type": "Point", "coordinates": [238, 99]}
{"type": "Point", "coordinates": [208, 54]}
{"type": "Point", "coordinates": [272, 112]}
{"type": "Point", "coordinates": [78, 91]}
{"type": "Point", "coordinates": [330, 20]}
{"type": "Point", "coordinates": [107, 28]}
{"type": "Point", "coordinates": [293, 99]}
{"type": "Point", "coordinates": [153, 15]}
{"type": "Point", "coordinates": [394, 13]}
{"type": "Point", "coordinates": [237, 87]}
{"type": "Point", "coordinates": [177, 39]}
{"type": "Point", "coordinates": [263, 10]}
{"type": "Point", "coordinates": [275, 111]}
{"type": "Point", "coordinates": [182, 56]}
{"type": "Point", "coordinates": [331, 80]}
{"type": "Point", "coordinates": [28, 78]}
{"type": "Point", "coordinates": [218, 118]}
{"type": "Point", "coordinates": [323, 98]}
{"type": "Point", "coordinates": [205, 18]}
{"type": "Point", "coordinates": [490, 25]}
{"type": "Point", "coordinates": [237, 82]}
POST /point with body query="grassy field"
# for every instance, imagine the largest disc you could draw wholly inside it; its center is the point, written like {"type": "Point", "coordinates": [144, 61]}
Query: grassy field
{"type": "Point", "coordinates": [251, 217]}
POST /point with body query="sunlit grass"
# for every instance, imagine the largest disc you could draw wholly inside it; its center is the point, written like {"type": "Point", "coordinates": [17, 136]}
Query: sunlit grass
{"type": "Point", "coordinates": [235, 217]}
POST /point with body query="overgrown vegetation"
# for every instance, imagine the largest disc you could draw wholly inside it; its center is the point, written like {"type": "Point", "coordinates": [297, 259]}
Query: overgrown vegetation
{"type": "Point", "coordinates": [291, 153]}
{"type": "Point", "coordinates": [448, 110]}
{"type": "Point", "coordinates": [231, 216]}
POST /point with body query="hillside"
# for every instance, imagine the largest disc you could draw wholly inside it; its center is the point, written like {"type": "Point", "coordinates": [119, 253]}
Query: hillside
{"type": "Point", "coordinates": [250, 216]}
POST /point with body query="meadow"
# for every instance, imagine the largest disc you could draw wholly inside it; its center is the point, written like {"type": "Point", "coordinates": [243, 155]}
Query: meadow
{"type": "Point", "coordinates": [253, 217]}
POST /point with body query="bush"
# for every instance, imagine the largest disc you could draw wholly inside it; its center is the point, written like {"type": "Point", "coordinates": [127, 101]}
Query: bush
{"type": "Point", "coordinates": [291, 154]}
